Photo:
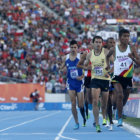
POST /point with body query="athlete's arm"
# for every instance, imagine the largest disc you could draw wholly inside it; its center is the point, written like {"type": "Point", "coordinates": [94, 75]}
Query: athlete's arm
{"type": "Point", "coordinates": [81, 61]}
{"type": "Point", "coordinates": [80, 77]}
{"type": "Point", "coordinates": [62, 63]}
{"type": "Point", "coordinates": [134, 56]}
{"type": "Point", "coordinates": [109, 55]}
{"type": "Point", "coordinates": [87, 61]}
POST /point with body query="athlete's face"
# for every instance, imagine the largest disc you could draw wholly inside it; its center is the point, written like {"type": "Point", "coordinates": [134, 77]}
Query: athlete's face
{"type": "Point", "coordinates": [110, 43]}
{"type": "Point", "coordinates": [124, 39]}
{"type": "Point", "coordinates": [74, 48]}
{"type": "Point", "coordinates": [98, 43]}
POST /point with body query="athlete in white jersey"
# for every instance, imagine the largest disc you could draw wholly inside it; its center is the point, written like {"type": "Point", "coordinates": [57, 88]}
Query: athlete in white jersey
{"type": "Point", "coordinates": [124, 56]}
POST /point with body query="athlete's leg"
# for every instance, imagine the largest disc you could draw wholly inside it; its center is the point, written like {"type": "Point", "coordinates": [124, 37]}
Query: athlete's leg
{"type": "Point", "coordinates": [95, 98]}
{"type": "Point", "coordinates": [104, 101]}
{"type": "Point", "coordinates": [89, 95]}
{"type": "Point", "coordinates": [119, 98]}
{"type": "Point", "coordinates": [86, 101]}
{"type": "Point", "coordinates": [80, 99]}
{"type": "Point", "coordinates": [126, 95]}
{"type": "Point", "coordinates": [72, 95]}
{"type": "Point", "coordinates": [109, 107]}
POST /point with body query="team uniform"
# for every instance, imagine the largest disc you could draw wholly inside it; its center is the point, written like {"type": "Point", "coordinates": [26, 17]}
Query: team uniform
{"type": "Point", "coordinates": [98, 64]}
{"type": "Point", "coordinates": [98, 78]}
{"type": "Point", "coordinates": [72, 73]}
{"type": "Point", "coordinates": [73, 84]}
{"type": "Point", "coordinates": [123, 68]}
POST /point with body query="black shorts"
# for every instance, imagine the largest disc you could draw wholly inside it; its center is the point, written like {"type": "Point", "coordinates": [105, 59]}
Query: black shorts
{"type": "Point", "coordinates": [35, 100]}
{"type": "Point", "coordinates": [87, 81]}
{"type": "Point", "coordinates": [124, 81]}
{"type": "Point", "coordinates": [99, 83]}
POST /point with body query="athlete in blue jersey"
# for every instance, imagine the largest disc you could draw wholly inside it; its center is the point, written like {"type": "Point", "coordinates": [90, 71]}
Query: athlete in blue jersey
{"type": "Point", "coordinates": [74, 82]}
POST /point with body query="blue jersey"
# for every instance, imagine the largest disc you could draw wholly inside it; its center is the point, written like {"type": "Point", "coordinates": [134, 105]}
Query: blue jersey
{"type": "Point", "coordinates": [73, 72]}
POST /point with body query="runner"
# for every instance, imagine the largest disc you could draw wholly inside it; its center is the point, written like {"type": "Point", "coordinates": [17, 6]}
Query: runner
{"type": "Point", "coordinates": [75, 82]}
{"type": "Point", "coordinates": [124, 56]}
{"type": "Point", "coordinates": [87, 79]}
{"type": "Point", "coordinates": [111, 98]}
{"type": "Point", "coordinates": [99, 78]}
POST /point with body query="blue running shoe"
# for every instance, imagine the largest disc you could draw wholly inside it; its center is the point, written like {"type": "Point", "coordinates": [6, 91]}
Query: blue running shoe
{"type": "Point", "coordinates": [116, 114]}
{"type": "Point", "coordinates": [120, 121]}
{"type": "Point", "coordinates": [76, 126]}
{"type": "Point", "coordinates": [90, 106]}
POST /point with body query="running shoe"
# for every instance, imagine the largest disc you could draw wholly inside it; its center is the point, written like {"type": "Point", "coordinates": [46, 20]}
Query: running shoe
{"type": "Point", "coordinates": [120, 121]}
{"type": "Point", "coordinates": [116, 114]}
{"type": "Point", "coordinates": [98, 129]}
{"type": "Point", "coordinates": [111, 127]}
{"type": "Point", "coordinates": [76, 126]}
{"type": "Point", "coordinates": [90, 106]}
{"type": "Point", "coordinates": [104, 122]}
{"type": "Point", "coordinates": [84, 123]}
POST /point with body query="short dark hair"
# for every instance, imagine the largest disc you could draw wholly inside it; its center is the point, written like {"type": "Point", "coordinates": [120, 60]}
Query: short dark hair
{"type": "Point", "coordinates": [72, 42]}
{"type": "Point", "coordinates": [97, 37]}
{"type": "Point", "coordinates": [109, 39]}
{"type": "Point", "coordinates": [123, 31]}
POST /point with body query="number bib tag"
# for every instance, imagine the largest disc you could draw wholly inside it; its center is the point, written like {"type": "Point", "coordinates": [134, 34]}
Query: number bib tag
{"type": "Point", "coordinates": [73, 74]}
{"type": "Point", "coordinates": [98, 71]}
{"type": "Point", "coordinates": [123, 65]}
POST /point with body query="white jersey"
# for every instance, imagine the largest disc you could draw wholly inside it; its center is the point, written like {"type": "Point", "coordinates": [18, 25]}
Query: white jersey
{"type": "Point", "coordinates": [123, 64]}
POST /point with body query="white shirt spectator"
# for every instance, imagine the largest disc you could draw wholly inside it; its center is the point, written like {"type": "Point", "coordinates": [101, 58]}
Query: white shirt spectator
{"type": "Point", "coordinates": [49, 87]}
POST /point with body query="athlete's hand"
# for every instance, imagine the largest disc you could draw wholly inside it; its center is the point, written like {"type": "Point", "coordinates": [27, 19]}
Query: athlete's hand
{"type": "Point", "coordinates": [131, 55]}
{"type": "Point", "coordinates": [84, 54]}
{"type": "Point", "coordinates": [80, 78]}
{"type": "Point", "coordinates": [107, 75]}
{"type": "Point", "coordinates": [107, 68]}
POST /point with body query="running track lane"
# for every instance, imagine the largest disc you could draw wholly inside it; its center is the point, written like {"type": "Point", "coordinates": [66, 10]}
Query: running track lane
{"type": "Point", "coordinates": [54, 125]}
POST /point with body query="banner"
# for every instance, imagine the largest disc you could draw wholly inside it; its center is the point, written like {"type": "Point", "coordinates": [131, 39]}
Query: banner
{"type": "Point", "coordinates": [132, 108]}
{"type": "Point", "coordinates": [123, 21]}
{"type": "Point", "coordinates": [31, 106]}
{"type": "Point", "coordinates": [106, 34]}
{"type": "Point", "coordinates": [20, 93]}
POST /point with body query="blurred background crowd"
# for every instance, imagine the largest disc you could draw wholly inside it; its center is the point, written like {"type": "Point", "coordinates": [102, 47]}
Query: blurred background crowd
{"type": "Point", "coordinates": [34, 34]}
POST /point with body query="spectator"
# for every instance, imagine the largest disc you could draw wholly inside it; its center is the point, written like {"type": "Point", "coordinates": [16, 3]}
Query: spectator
{"type": "Point", "coordinates": [35, 98]}
{"type": "Point", "coordinates": [49, 86]}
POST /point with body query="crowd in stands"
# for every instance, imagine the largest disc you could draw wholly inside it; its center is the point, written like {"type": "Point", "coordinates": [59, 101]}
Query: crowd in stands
{"type": "Point", "coordinates": [33, 39]}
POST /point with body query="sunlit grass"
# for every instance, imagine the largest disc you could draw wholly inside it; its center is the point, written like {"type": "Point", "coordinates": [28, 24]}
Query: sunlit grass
{"type": "Point", "coordinates": [133, 121]}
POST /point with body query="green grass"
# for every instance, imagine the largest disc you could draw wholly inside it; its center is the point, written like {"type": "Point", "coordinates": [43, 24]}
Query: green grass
{"type": "Point", "coordinates": [133, 121]}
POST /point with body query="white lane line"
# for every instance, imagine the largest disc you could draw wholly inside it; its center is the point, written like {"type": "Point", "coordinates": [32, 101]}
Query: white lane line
{"type": "Point", "coordinates": [62, 130]}
{"type": "Point", "coordinates": [26, 122]}
{"type": "Point", "coordinates": [17, 117]}
{"type": "Point", "coordinates": [22, 134]}
{"type": "Point", "coordinates": [138, 136]}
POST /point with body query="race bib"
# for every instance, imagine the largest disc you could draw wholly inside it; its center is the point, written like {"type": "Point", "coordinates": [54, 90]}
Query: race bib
{"type": "Point", "coordinates": [73, 74]}
{"type": "Point", "coordinates": [123, 65]}
{"type": "Point", "coordinates": [98, 71]}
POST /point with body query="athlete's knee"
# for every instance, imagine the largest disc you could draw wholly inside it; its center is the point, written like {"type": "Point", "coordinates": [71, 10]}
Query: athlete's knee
{"type": "Point", "coordinates": [95, 103]}
{"type": "Point", "coordinates": [104, 107]}
{"type": "Point", "coordinates": [73, 105]}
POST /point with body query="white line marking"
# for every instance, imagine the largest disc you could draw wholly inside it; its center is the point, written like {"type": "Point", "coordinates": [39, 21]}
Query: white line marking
{"type": "Point", "coordinates": [62, 130]}
{"type": "Point", "coordinates": [138, 136]}
{"type": "Point", "coordinates": [13, 117]}
{"type": "Point", "coordinates": [28, 121]}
